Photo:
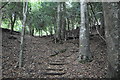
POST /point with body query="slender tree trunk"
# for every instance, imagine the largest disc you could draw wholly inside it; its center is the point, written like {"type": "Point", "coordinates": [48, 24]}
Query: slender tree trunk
{"type": "Point", "coordinates": [46, 32]}
{"type": "Point", "coordinates": [32, 32]}
{"type": "Point", "coordinates": [102, 23]}
{"type": "Point", "coordinates": [1, 7]}
{"type": "Point", "coordinates": [119, 39]}
{"type": "Point", "coordinates": [68, 27]}
{"type": "Point", "coordinates": [84, 46]}
{"type": "Point", "coordinates": [12, 26]}
{"type": "Point", "coordinates": [22, 34]}
{"type": "Point", "coordinates": [72, 23]}
{"type": "Point", "coordinates": [97, 23]}
{"type": "Point", "coordinates": [102, 31]}
{"type": "Point", "coordinates": [13, 19]}
{"type": "Point", "coordinates": [41, 32]}
{"type": "Point", "coordinates": [51, 30]}
{"type": "Point", "coordinates": [63, 20]}
{"type": "Point", "coordinates": [68, 24]}
{"type": "Point", "coordinates": [58, 22]}
{"type": "Point", "coordinates": [55, 28]}
{"type": "Point", "coordinates": [1, 41]}
{"type": "Point", "coordinates": [0, 14]}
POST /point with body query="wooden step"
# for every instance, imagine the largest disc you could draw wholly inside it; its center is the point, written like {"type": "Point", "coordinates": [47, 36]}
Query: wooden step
{"type": "Point", "coordinates": [57, 59]}
{"type": "Point", "coordinates": [60, 69]}
{"type": "Point", "coordinates": [56, 63]}
{"type": "Point", "coordinates": [54, 73]}
{"type": "Point", "coordinates": [55, 67]}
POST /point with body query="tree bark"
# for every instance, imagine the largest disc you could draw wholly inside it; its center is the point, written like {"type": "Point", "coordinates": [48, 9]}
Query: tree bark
{"type": "Point", "coordinates": [13, 19]}
{"type": "Point", "coordinates": [1, 41]}
{"type": "Point", "coordinates": [84, 46]}
{"type": "Point", "coordinates": [1, 7]}
{"type": "Point", "coordinates": [22, 34]}
{"type": "Point", "coordinates": [112, 29]}
{"type": "Point", "coordinates": [0, 14]}
{"type": "Point", "coordinates": [41, 32]}
{"type": "Point", "coordinates": [97, 23]}
{"type": "Point", "coordinates": [102, 29]}
{"type": "Point", "coordinates": [68, 24]}
{"type": "Point", "coordinates": [51, 30]}
{"type": "Point", "coordinates": [63, 20]}
{"type": "Point", "coordinates": [58, 22]}
{"type": "Point", "coordinates": [32, 32]}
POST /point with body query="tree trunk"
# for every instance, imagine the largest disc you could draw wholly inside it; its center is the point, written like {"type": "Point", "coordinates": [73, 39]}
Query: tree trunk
{"type": "Point", "coordinates": [1, 42]}
{"type": "Point", "coordinates": [31, 29]}
{"type": "Point", "coordinates": [102, 29]}
{"type": "Point", "coordinates": [41, 32]}
{"type": "Point", "coordinates": [32, 32]}
{"type": "Point", "coordinates": [112, 29]}
{"type": "Point", "coordinates": [58, 22]}
{"type": "Point", "coordinates": [84, 46]}
{"type": "Point", "coordinates": [0, 14]}
{"type": "Point", "coordinates": [22, 34]}
{"type": "Point", "coordinates": [13, 19]}
{"type": "Point", "coordinates": [63, 20]}
{"type": "Point", "coordinates": [68, 24]}
{"type": "Point", "coordinates": [2, 6]}
{"type": "Point", "coordinates": [72, 23]}
{"type": "Point", "coordinates": [55, 28]}
{"type": "Point", "coordinates": [46, 32]}
{"type": "Point", "coordinates": [68, 27]}
{"type": "Point", "coordinates": [119, 39]}
{"type": "Point", "coordinates": [12, 26]}
{"type": "Point", "coordinates": [51, 30]}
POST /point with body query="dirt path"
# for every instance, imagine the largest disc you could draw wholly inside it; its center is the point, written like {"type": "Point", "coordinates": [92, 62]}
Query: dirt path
{"type": "Point", "coordinates": [43, 58]}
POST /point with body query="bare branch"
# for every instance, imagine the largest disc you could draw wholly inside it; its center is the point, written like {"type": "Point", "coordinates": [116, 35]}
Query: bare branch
{"type": "Point", "coordinates": [4, 5]}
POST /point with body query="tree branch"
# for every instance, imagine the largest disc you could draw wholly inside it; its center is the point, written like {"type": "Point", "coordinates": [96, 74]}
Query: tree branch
{"type": "Point", "coordinates": [4, 5]}
{"type": "Point", "coordinates": [97, 22]}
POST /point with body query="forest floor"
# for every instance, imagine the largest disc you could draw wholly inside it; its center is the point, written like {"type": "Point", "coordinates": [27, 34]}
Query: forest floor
{"type": "Point", "coordinates": [45, 59]}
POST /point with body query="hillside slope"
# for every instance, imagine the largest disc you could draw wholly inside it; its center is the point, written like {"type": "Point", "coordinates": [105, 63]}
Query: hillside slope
{"type": "Point", "coordinates": [43, 58]}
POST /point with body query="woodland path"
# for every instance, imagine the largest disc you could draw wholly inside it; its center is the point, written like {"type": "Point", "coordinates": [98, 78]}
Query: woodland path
{"type": "Point", "coordinates": [42, 58]}
{"type": "Point", "coordinates": [56, 68]}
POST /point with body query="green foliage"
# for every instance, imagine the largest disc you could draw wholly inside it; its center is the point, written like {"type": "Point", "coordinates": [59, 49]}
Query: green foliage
{"type": "Point", "coordinates": [97, 8]}
{"type": "Point", "coordinates": [43, 15]}
{"type": "Point", "coordinates": [40, 16]}
{"type": "Point", "coordinates": [11, 9]}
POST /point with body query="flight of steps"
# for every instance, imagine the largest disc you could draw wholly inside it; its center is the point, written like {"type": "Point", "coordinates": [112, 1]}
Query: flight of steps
{"type": "Point", "coordinates": [55, 69]}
